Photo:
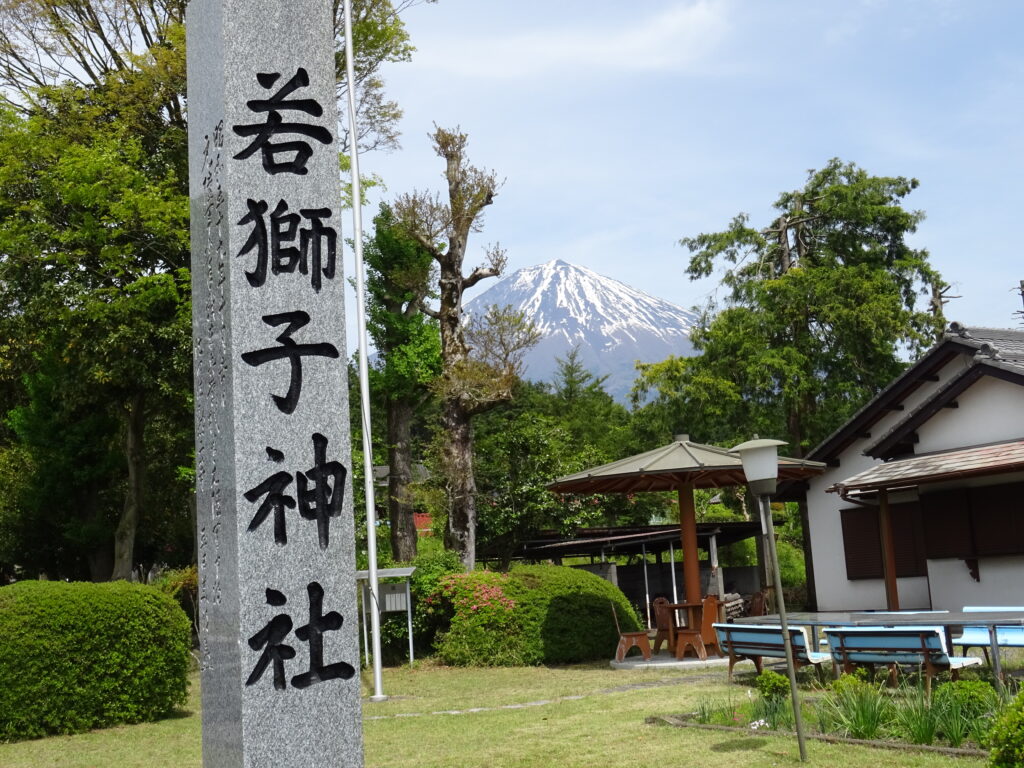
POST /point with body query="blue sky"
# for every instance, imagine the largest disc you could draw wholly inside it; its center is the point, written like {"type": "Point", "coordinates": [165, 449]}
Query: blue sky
{"type": "Point", "coordinates": [620, 128]}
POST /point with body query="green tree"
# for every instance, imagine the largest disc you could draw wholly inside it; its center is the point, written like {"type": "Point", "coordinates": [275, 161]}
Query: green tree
{"type": "Point", "coordinates": [819, 306]}
{"type": "Point", "coordinates": [94, 245]}
{"type": "Point", "coordinates": [589, 413]}
{"type": "Point", "coordinates": [517, 456]}
{"type": "Point", "coordinates": [94, 235]}
{"type": "Point", "coordinates": [468, 384]}
{"type": "Point", "coordinates": [47, 43]}
{"type": "Point", "coordinates": [398, 282]}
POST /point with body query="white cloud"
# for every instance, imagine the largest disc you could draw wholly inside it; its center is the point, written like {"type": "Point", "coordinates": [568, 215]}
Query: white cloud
{"type": "Point", "coordinates": [677, 39]}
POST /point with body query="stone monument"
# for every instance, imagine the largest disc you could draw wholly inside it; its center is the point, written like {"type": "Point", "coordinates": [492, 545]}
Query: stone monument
{"type": "Point", "coordinates": [277, 608]}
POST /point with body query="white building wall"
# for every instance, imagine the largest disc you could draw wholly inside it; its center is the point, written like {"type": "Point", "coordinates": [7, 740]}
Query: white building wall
{"type": "Point", "coordinates": [836, 592]}
{"type": "Point", "coordinates": [989, 411]}
{"type": "Point", "coordinates": [1002, 582]}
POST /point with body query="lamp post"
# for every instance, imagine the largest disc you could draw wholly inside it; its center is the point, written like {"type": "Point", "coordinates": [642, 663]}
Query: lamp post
{"type": "Point", "coordinates": [761, 468]}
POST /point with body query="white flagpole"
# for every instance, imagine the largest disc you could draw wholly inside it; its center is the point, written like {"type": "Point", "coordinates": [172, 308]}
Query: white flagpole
{"type": "Point", "coordinates": [364, 385]}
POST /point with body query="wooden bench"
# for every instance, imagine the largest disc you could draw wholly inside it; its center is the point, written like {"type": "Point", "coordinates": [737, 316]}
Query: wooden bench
{"type": "Point", "coordinates": [755, 641]}
{"type": "Point", "coordinates": [923, 647]}
{"type": "Point", "coordinates": [1006, 637]}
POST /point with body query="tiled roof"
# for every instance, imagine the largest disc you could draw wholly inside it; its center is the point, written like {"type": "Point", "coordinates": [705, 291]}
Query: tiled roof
{"type": "Point", "coordinates": [1008, 342]}
{"type": "Point", "coordinates": [1005, 345]}
{"type": "Point", "coordinates": [936, 467]}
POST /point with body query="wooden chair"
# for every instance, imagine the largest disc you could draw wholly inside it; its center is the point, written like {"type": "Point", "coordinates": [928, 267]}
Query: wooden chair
{"type": "Point", "coordinates": [665, 623]}
{"type": "Point", "coordinates": [628, 640]}
{"type": "Point", "coordinates": [709, 617]}
{"type": "Point", "coordinates": [690, 637]}
{"type": "Point", "coordinates": [758, 605]}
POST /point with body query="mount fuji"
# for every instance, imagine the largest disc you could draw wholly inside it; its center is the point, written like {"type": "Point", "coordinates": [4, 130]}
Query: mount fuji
{"type": "Point", "coordinates": [612, 324]}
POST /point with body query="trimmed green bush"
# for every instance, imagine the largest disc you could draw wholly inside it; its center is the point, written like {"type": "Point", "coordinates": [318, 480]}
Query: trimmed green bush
{"type": "Point", "coordinates": [487, 627]}
{"type": "Point", "coordinates": [772, 685]}
{"type": "Point", "coordinates": [535, 614]}
{"type": "Point", "coordinates": [1006, 738]}
{"type": "Point", "coordinates": [79, 656]}
{"type": "Point", "coordinates": [974, 698]}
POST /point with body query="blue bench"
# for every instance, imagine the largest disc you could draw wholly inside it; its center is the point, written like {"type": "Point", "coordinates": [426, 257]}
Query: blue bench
{"type": "Point", "coordinates": [923, 647]}
{"type": "Point", "coordinates": [755, 641]}
{"type": "Point", "coordinates": [978, 637]}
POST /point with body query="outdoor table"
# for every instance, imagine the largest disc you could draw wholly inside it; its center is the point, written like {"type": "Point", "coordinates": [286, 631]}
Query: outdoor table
{"type": "Point", "coordinates": [693, 616]}
{"type": "Point", "coordinates": [947, 619]}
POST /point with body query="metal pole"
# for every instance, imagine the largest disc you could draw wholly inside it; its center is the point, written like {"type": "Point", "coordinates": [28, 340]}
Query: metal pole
{"type": "Point", "coordinates": [364, 379]}
{"type": "Point", "coordinates": [715, 570]}
{"type": "Point", "coordinates": [647, 588]}
{"type": "Point", "coordinates": [408, 616]}
{"type": "Point", "coordinates": [997, 667]}
{"type": "Point", "coordinates": [672, 562]}
{"type": "Point", "coordinates": [766, 516]}
{"type": "Point", "coordinates": [366, 621]}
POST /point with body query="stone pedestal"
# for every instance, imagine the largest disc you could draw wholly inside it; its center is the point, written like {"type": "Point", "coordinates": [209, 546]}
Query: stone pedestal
{"type": "Point", "coordinates": [278, 621]}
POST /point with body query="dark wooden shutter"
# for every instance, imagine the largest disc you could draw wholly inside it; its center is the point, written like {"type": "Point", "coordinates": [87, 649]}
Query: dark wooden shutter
{"type": "Point", "coordinates": [908, 539]}
{"type": "Point", "coordinates": [861, 543]}
{"type": "Point", "coordinates": [947, 524]}
{"type": "Point", "coordinates": [997, 513]}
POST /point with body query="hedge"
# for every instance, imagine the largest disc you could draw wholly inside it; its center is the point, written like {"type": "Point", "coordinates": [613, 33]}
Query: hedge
{"type": "Point", "coordinates": [79, 656]}
{"type": "Point", "coordinates": [427, 619]}
{"type": "Point", "coordinates": [535, 614]}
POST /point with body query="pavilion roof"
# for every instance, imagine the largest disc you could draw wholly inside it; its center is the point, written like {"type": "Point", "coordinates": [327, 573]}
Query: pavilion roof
{"type": "Point", "coordinates": [672, 466]}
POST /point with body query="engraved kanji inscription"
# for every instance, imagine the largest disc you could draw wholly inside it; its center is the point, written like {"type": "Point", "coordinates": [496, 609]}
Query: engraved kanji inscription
{"type": "Point", "coordinates": [315, 252]}
{"type": "Point", "coordinates": [270, 641]}
{"type": "Point", "coordinates": [320, 491]}
{"type": "Point", "coordinates": [289, 350]}
{"type": "Point", "coordinates": [282, 156]}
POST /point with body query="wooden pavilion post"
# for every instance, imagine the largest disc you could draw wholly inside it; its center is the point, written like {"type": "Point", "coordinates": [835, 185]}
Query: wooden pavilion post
{"type": "Point", "coordinates": [892, 598]}
{"type": "Point", "coordinates": [688, 533]}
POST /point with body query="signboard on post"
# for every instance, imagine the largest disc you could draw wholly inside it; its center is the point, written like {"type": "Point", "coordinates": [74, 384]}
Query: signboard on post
{"type": "Point", "coordinates": [277, 615]}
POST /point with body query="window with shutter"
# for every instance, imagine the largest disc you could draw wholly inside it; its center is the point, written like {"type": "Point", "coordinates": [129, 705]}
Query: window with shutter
{"type": "Point", "coordinates": [947, 529]}
{"type": "Point", "coordinates": [997, 514]}
{"type": "Point", "coordinates": [862, 541]}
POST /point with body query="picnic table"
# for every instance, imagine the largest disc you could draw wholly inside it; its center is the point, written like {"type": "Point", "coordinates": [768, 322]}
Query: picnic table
{"type": "Point", "coordinates": [947, 619]}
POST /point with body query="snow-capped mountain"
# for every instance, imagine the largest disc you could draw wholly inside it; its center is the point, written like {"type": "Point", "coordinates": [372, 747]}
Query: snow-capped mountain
{"type": "Point", "coordinates": [612, 324]}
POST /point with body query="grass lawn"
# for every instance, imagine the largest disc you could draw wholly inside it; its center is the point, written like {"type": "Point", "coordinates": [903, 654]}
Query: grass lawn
{"type": "Point", "coordinates": [575, 716]}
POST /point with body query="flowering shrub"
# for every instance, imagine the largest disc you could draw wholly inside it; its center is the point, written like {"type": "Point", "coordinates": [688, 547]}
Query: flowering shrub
{"type": "Point", "coordinates": [468, 591]}
{"type": "Point", "coordinates": [535, 614]}
{"type": "Point", "coordinates": [485, 628]}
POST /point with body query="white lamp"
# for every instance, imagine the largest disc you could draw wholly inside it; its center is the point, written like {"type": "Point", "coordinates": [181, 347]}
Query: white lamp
{"type": "Point", "coordinates": [760, 464]}
{"type": "Point", "coordinates": [761, 468]}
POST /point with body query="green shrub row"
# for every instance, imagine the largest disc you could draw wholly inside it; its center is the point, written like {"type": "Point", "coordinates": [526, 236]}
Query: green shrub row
{"type": "Point", "coordinates": [535, 614]}
{"type": "Point", "coordinates": [79, 656]}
